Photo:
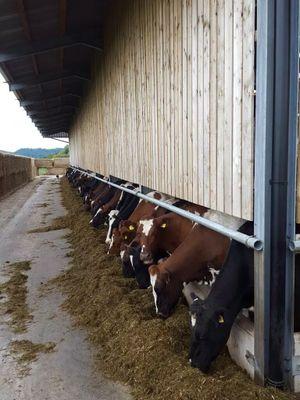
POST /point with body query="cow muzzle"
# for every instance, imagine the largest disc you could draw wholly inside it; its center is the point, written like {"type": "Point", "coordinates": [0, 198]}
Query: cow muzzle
{"type": "Point", "coordinates": [146, 257]}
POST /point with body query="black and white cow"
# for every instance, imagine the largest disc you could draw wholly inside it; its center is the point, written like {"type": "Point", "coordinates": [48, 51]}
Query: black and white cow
{"type": "Point", "coordinates": [125, 207]}
{"type": "Point", "coordinates": [212, 318]}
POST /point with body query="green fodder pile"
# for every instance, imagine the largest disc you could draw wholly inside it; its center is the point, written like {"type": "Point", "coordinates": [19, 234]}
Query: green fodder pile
{"type": "Point", "coordinates": [15, 292]}
{"type": "Point", "coordinates": [132, 345]}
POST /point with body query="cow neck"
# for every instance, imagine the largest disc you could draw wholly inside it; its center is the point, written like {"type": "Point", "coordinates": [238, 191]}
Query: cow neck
{"type": "Point", "coordinates": [231, 293]}
{"type": "Point", "coordinates": [179, 228]}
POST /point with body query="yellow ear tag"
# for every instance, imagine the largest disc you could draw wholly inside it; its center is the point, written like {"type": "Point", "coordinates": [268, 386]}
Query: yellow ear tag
{"type": "Point", "coordinates": [164, 225]}
{"type": "Point", "coordinates": [131, 227]}
{"type": "Point", "coordinates": [221, 319]}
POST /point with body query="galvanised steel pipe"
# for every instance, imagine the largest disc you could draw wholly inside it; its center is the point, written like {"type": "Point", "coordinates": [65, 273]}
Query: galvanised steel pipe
{"type": "Point", "coordinates": [249, 241]}
{"type": "Point", "coordinates": [294, 246]}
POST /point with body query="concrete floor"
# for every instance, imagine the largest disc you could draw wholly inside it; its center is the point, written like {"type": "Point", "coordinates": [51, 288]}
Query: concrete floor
{"type": "Point", "coordinates": [67, 373]}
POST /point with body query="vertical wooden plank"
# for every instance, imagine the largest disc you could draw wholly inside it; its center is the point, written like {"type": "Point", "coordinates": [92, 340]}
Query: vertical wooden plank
{"type": "Point", "coordinates": [213, 104]}
{"type": "Point", "coordinates": [178, 32]}
{"type": "Point", "coordinates": [200, 107]}
{"type": "Point", "coordinates": [154, 132]}
{"type": "Point", "coordinates": [195, 118]}
{"type": "Point", "coordinates": [189, 133]}
{"type": "Point", "coordinates": [227, 143]}
{"type": "Point", "coordinates": [184, 147]}
{"type": "Point", "coordinates": [248, 109]}
{"type": "Point", "coordinates": [172, 98]}
{"type": "Point", "coordinates": [237, 110]}
{"type": "Point", "coordinates": [160, 108]}
{"type": "Point", "coordinates": [206, 104]}
{"type": "Point", "coordinates": [220, 105]}
{"type": "Point", "coordinates": [167, 41]}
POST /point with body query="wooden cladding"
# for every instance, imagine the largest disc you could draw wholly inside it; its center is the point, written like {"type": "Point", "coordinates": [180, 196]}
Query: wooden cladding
{"type": "Point", "coordinates": [171, 104]}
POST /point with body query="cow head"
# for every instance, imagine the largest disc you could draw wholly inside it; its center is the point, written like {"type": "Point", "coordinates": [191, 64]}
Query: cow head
{"type": "Point", "coordinates": [98, 218]}
{"type": "Point", "coordinates": [166, 290]}
{"type": "Point", "coordinates": [127, 268]}
{"type": "Point", "coordinates": [127, 232]}
{"type": "Point", "coordinates": [140, 269]}
{"type": "Point", "coordinates": [149, 231]}
{"type": "Point", "coordinates": [210, 331]}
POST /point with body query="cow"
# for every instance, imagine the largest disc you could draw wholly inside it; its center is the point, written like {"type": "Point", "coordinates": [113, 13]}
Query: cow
{"type": "Point", "coordinates": [127, 228]}
{"type": "Point", "coordinates": [123, 210]}
{"type": "Point", "coordinates": [212, 318]}
{"type": "Point", "coordinates": [165, 233]}
{"type": "Point", "coordinates": [105, 207]}
{"type": "Point", "coordinates": [103, 197]}
{"type": "Point", "coordinates": [93, 194]}
{"type": "Point", "coordinates": [202, 248]}
{"type": "Point", "coordinates": [87, 187]}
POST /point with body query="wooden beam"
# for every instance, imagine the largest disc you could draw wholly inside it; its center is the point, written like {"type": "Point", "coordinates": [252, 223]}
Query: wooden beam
{"type": "Point", "coordinates": [59, 115]}
{"type": "Point", "coordinates": [62, 31]}
{"type": "Point", "coordinates": [45, 113]}
{"type": "Point", "coordinates": [47, 78]}
{"type": "Point", "coordinates": [44, 46]}
{"type": "Point", "coordinates": [25, 103]}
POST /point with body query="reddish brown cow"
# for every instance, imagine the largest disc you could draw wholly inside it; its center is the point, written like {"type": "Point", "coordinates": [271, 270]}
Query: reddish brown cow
{"type": "Point", "coordinates": [165, 233]}
{"type": "Point", "coordinates": [93, 194]}
{"type": "Point", "coordinates": [202, 249]}
{"type": "Point", "coordinates": [127, 229]}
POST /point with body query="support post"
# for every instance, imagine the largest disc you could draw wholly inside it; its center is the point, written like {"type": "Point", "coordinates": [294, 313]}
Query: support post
{"type": "Point", "coordinates": [274, 162]}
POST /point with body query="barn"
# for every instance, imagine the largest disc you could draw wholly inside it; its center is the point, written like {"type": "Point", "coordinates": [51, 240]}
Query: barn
{"type": "Point", "coordinates": [196, 99]}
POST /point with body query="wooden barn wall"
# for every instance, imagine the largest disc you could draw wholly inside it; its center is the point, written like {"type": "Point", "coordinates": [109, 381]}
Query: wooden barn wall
{"type": "Point", "coordinates": [171, 104]}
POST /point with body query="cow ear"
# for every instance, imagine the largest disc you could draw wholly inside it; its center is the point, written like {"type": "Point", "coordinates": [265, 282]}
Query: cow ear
{"type": "Point", "coordinates": [153, 270]}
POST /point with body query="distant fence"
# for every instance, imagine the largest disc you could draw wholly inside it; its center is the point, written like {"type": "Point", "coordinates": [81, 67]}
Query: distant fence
{"type": "Point", "coordinates": [54, 166]}
{"type": "Point", "coordinates": [14, 172]}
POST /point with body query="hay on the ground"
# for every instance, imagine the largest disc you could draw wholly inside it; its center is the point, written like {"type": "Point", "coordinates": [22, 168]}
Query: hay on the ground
{"type": "Point", "coordinates": [131, 344]}
{"type": "Point", "coordinates": [57, 224]}
{"type": "Point", "coordinates": [25, 352]}
{"type": "Point", "coordinates": [15, 291]}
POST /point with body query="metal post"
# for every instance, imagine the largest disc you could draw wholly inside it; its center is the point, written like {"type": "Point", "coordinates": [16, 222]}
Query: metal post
{"type": "Point", "coordinates": [291, 194]}
{"type": "Point", "coordinates": [275, 157]}
{"type": "Point", "coordinates": [263, 160]}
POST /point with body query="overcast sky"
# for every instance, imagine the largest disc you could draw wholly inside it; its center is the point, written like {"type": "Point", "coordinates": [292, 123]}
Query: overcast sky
{"type": "Point", "coordinates": [16, 128]}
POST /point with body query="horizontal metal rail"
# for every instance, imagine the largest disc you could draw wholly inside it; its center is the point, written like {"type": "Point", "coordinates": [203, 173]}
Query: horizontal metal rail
{"type": "Point", "coordinates": [249, 241]}
{"type": "Point", "coordinates": [294, 246]}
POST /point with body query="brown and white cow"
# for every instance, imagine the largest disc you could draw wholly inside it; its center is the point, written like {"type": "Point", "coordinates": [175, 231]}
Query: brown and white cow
{"type": "Point", "coordinates": [127, 229]}
{"type": "Point", "coordinates": [201, 253]}
{"type": "Point", "coordinates": [165, 233]}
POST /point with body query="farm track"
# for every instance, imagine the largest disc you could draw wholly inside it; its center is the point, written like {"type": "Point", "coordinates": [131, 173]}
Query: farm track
{"type": "Point", "coordinates": [42, 357]}
{"type": "Point", "coordinates": [131, 345]}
